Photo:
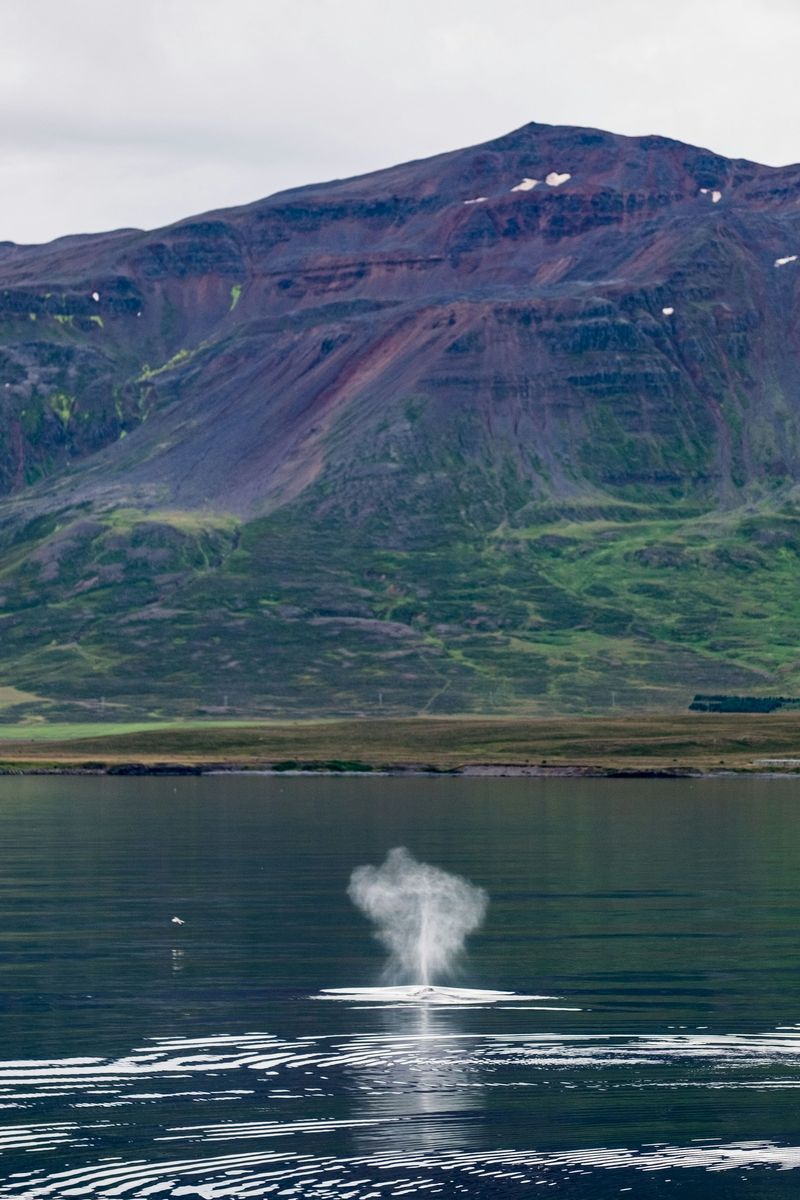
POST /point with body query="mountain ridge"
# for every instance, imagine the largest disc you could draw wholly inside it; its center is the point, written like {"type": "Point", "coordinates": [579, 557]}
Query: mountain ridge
{"type": "Point", "coordinates": [524, 371]}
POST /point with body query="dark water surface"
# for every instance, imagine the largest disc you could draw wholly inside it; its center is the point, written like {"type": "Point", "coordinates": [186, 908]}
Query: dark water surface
{"type": "Point", "coordinates": [140, 1058]}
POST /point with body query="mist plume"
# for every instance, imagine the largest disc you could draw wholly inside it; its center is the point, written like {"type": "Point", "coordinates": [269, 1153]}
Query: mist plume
{"type": "Point", "coordinates": [422, 914]}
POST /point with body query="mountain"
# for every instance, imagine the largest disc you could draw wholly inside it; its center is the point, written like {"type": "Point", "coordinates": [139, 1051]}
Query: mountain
{"type": "Point", "coordinates": [515, 429]}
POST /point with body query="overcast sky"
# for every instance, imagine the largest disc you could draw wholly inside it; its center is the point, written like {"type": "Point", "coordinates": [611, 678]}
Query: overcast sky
{"type": "Point", "coordinates": [138, 112]}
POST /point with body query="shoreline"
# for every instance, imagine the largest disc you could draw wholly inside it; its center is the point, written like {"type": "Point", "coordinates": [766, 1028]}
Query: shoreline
{"type": "Point", "coordinates": [638, 746]}
{"type": "Point", "coordinates": [473, 771]}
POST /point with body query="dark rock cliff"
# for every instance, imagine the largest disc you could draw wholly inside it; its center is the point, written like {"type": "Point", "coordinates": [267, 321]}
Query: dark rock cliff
{"type": "Point", "coordinates": [559, 326]}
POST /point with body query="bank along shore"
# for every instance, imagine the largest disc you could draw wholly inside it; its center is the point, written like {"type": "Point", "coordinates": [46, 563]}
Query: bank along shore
{"type": "Point", "coordinates": [484, 770]}
{"type": "Point", "coordinates": [477, 771]}
{"type": "Point", "coordinates": [637, 745]}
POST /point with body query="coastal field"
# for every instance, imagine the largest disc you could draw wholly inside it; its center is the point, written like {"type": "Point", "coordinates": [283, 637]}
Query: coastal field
{"type": "Point", "coordinates": [632, 744]}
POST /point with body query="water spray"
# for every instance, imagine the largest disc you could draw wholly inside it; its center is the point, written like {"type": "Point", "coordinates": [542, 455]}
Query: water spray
{"type": "Point", "coordinates": [422, 915]}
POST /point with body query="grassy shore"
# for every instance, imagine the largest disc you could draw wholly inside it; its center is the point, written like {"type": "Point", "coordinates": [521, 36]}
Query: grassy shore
{"type": "Point", "coordinates": [658, 744]}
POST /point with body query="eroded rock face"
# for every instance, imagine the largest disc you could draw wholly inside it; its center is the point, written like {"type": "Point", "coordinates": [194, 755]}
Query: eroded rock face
{"type": "Point", "coordinates": [609, 315]}
{"type": "Point", "coordinates": [403, 375]}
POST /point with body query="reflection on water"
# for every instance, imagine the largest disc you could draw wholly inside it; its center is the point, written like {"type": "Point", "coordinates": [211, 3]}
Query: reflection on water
{"type": "Point", "coordinates": [650, 932]}
{"type": "Point", "coordinates": [409, 1104]}
{"type": "Point", "coordinates": [415, 1091]}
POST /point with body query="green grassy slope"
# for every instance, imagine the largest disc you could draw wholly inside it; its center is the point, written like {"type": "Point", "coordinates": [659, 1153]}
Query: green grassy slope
{"type": "Point", "coordinates": [370, 448]}
{"type": "Point", "coordinates": [171, 613]}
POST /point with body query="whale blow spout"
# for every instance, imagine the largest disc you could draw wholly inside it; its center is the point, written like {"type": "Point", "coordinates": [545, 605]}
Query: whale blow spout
{"type": "Point", "coordinates": [422, 915]}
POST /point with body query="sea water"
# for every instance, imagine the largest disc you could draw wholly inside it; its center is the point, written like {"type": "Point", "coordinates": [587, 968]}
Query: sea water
{"type": "Point", "coordinates": [627, 1020]}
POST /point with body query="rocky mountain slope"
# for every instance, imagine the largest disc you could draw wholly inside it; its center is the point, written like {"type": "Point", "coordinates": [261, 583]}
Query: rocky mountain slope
{"type": "Point", "coordinates": [516, 428]}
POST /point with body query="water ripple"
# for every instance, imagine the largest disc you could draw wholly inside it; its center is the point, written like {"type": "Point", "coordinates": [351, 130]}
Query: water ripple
{"type": "Point", "coordinates": [382, 1113]}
